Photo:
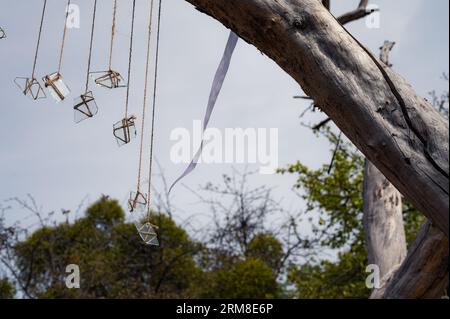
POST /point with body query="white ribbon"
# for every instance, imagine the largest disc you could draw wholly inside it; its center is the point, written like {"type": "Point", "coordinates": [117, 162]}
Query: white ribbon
{"type": "Point", "coordinates": [215, 91]}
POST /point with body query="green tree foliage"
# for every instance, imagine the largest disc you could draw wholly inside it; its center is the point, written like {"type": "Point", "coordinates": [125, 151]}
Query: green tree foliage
{"type": "Point", "coordinates": [266, 248]}
{"type": "Point", "coordinates": [7, 290]}
{"type": "Point", "coordinates": [344, 278]}
{"type": "Point", "coordinates": [252, 275]}
{"type": "Point", "coordinates": [250, 278]}
{"type": "Point", "coordinates": [113, 262]}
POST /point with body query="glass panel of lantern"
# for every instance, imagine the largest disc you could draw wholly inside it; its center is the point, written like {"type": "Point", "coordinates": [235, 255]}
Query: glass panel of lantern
{"type": "Point", "coordinates": [56, 86]}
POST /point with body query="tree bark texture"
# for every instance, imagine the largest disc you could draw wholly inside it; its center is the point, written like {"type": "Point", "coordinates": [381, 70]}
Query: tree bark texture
{"type": "Point", "coordinates": [383, 221]}
{"type": "Point", "coordinates": [424, 273]}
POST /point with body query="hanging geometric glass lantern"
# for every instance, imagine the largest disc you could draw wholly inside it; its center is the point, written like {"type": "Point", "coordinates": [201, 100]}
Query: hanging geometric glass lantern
{"type": "Point", "coordinates": [85, 107]}
{"type": "Point", "coordinates": [137, 202]}
{"type": "Point", "coordinates": [30, 87]}
{"type": "Point", "coordinates": [108, 79]}
{"type": "Point", "coordinates": [125, 130]}
{"type": "Point", "coordinates": [2, 34]}
{"type": "Point", "coordinates": [148, 233]}
{"type": "Point", "coordinates": [56, 86]}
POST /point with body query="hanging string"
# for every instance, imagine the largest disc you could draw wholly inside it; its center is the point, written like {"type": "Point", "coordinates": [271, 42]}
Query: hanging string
{"type": "Point", "coordinates": [144, 108]}
{"type": "Point", "coordinates": [39, 40]}
{"type": "Point", "coordinates": [91, 45]}
{"type": "Point", "coordinates": [130, 58]}
{"type": "Point", "coordinates": [64, 36]}
{"type": "Point", "coordinates": [113, 33]}
{"type": "Point", "coordinates": [152, 137]}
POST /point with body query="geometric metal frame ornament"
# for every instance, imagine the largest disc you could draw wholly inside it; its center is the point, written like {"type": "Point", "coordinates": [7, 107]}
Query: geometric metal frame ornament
{"type": "Point", "coordinates": [108, 79]}
{"type": "Point", "coordinates": [2, 34]}
{"type": "Point", "coordinates": [137, 202]}
{"type": "Point", "coordinates": [85, 107]}
{"type": "Point", "coordinates": [125, 130]}
{"type": "Point", "coordinates": [30, 87]}
{"type": "Point", "coordinates": [56, 86]}
{"type": "Point", "coordinates": [148, 233]}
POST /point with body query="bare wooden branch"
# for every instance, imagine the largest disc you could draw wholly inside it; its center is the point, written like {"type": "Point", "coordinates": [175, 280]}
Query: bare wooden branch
{"type": "Point", "coordinates": [321, 124]}
{"type": "Point", "coordinates": [302, 97]}
{"type": "Point", "coordinates": [356, 14]}
{"type": "Point", "coordinates": [398, 131]}
{"type": "Point", "coordinates": [384, 52]}
{"type": "Point", "coordinates": [424, 273]}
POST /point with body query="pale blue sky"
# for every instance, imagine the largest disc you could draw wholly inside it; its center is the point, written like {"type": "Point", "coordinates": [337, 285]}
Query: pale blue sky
{"type": "Point", "coordinates": [45, 154]}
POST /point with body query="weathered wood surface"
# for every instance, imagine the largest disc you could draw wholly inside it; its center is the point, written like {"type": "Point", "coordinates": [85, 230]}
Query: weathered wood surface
{"type": "Point", "coordinates": [424, 273]}
{"type": "Point", "coordinates": [398, 131]}
{"type": "Point", "coordinates": [383, 221]}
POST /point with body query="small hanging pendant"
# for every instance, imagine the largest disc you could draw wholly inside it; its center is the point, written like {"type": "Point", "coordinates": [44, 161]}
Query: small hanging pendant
{"type": "Point", "coordinates": [125, 130]}
{"type": "Point", "coordinates": [148, 233]}
{"type": "Point", "coordinates": [56, 86]}
{"type": "Point", "coordinates": [30, 87]}
{"type": "Point", "coordinates": [108, 79]}
{"type": "Point", "coordinates": [137, 202]}
{"type": "Point", "coordinates": [85, 107]}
